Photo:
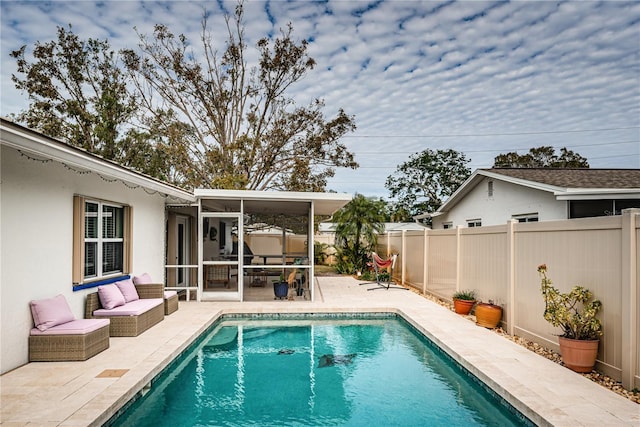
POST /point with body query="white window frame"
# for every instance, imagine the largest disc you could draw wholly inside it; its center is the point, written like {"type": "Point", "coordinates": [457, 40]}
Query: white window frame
{"type": "Point", "coordinates": [531, 217]}
{"type": "Point", "coordinates": [447, 225]}
{"type": "Point", "coordinates": [80, 240]}
{"type": "Point", "coordinates": [101, 240]}
{"type": "Point", "coordinates": [476, 222]}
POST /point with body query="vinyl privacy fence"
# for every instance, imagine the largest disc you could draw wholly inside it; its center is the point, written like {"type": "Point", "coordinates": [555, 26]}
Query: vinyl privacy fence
{"type": "Point", "coordinates": [500, 263]}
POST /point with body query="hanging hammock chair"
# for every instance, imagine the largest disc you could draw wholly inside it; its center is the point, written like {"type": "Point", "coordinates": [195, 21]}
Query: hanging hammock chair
{"type": "Point", "coordinates": [379, 265]}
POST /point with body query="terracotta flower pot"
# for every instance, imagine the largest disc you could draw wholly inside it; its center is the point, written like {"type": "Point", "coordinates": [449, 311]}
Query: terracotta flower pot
{"type": "Point", "coordinates": [463, 306]}
{"type": "Point", "coordinates": [488, 315]}
{"type": "Point", "coordinates": [579, 355]}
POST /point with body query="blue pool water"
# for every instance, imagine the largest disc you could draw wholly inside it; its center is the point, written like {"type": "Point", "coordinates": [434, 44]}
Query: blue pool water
{"type": "Point", "coordinates": [293, 372]}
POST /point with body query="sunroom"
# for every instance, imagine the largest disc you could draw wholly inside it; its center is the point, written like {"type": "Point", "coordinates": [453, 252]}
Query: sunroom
{"type": "Point", "coordinates": [237, 245]}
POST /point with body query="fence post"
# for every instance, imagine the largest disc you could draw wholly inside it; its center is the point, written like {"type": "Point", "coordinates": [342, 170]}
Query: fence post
{"type": "Point", "coordinates": [511, 275]}
{"type": "Point", "coordinates": [458, 228]}
{"type": "Point", "coordinates": [629, 294]}
{"type": "Point", "coordinates": [404, 255]}
{"type": "Point", "coordinates": [425, 254]}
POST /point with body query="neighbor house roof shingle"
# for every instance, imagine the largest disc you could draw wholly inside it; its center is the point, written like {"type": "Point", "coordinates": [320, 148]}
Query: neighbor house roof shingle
{"type": "Point", "coordinates": [575, 178]}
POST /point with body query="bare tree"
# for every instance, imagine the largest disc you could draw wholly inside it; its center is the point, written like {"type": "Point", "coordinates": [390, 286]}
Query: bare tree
{"type": "Point", "coordinates": [233, 121]}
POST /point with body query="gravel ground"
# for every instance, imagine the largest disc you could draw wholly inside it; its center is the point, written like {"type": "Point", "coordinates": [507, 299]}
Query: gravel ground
{"type": "Point", "coordinates": [594, 376]}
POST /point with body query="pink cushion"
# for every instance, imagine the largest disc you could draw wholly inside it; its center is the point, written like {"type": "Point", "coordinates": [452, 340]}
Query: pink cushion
{"type": "Point", "coordinates": [142, 279]}
{"type": "Point", "coordinates": [110, 296]}
{"type": "Point", "coordinates": [75, 327]}
{"type": "Point", "coordinates": [133, 308]}
{"type": "Point", "coordinates": [50, 312]}
{"type": "Point", "coordinates": [128, 290]}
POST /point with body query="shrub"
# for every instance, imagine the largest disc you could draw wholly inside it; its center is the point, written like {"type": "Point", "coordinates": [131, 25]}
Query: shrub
{"type": "Point", "coordinates": [575, 312]}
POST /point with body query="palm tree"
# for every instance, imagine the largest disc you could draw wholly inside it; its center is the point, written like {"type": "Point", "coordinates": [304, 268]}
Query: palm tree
{"type": "Point", "coordinates": [357, 229]}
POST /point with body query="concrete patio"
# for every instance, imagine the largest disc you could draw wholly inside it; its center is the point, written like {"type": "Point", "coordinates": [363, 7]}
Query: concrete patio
{"type": "Point", "coordinates": [90, 392]}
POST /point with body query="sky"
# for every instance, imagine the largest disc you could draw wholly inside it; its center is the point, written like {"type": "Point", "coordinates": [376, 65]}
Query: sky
{"type": "Point", "coordinates": [481, 78]}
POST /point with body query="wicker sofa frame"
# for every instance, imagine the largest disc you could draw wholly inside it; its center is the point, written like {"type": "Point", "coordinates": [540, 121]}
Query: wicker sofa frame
{"type": "Point", "coordinates": [170, 304]}
{"type": "Point", "coordinates": [130, 326]}
{"type": "Point", "coordinates": [58, 348]}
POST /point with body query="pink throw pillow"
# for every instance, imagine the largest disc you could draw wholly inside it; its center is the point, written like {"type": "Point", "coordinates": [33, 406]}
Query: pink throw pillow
{"type": "Point", "coordinates": [128, 290]}
{"type": "Point", "coordinates": [143, 279]}
{"type": "Point", "coordinates": [51, 312]}
{"type": "Point", "coordinates": [110, 296]}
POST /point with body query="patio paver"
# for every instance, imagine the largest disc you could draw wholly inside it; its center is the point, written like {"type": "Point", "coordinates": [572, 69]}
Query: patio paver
{"type": "Point", "coordinates": [75, 393]}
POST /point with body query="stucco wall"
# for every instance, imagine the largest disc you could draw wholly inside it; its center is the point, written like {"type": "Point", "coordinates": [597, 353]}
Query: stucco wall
{"type": "Point", "coordinates": [36, 211]}
{"type": "Point", "coordinates": [508, 200]}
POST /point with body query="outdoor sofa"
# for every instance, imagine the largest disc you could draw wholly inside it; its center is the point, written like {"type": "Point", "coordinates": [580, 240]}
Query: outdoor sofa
{"type": "Point", "coordinates": [132, 309]}
{"type": "Point", "coordinates": [58, 336]}
{"type": "Point", "coordinates": [170, 297]}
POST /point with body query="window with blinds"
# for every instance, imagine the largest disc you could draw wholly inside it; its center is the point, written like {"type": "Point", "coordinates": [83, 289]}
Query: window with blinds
{"type": "Point", "coordinates": [100, 250]}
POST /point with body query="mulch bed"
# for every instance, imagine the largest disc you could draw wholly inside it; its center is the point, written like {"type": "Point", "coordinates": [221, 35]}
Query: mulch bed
{"type": "Point", "coordinates": [595, 376]}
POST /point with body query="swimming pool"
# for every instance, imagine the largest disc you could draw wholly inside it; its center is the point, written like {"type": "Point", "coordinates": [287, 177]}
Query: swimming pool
{"type": "Point", "coordinates": [316, 370]}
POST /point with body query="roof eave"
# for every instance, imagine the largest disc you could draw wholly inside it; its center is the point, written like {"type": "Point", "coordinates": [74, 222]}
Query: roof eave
{"type": "Point", "coordinates": [324, 203]}
{"type": "Point", "coordinates": [27, 141]}
{"type": "Point", "coordinates": [598, 193]}
{"type": "Point", "coordinates": [427, 215]}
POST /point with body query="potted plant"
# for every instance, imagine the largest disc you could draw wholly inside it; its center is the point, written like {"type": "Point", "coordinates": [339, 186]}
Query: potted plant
{"type": "Point", "coordinates": [280, 287]}
{"type": "Point", "coordinates": [488, 314]}
{"type": "Point", "coordinates": [463, 301]}
{"type": "Point", "coordinates": [575, 312]}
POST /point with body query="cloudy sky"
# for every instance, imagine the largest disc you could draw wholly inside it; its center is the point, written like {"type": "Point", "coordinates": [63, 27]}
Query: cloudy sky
{"type": "Point", "coordinates": [478, 77]}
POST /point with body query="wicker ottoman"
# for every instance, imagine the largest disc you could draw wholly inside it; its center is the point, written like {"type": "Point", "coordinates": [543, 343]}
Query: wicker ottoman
{"type": "Point", "coordinates": [170, 302]}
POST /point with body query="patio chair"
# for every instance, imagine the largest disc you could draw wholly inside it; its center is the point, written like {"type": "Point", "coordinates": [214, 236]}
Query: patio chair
{"type": "Point", "coordinates": [379, 264]}
{"type": "Point", "coordinates": [293, 284]}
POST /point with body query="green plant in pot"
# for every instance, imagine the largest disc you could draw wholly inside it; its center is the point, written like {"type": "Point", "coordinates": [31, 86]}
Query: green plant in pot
{"type": "Point", "coordinates": [575, 313]}
{"type": "Point", "coordinates": [463, 301]}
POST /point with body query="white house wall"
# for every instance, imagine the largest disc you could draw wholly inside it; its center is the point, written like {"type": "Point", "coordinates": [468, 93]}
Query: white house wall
{"type": "Point", "coordinates": [36, 212]}
{"type": "Point", "coordinates": [508, 200]}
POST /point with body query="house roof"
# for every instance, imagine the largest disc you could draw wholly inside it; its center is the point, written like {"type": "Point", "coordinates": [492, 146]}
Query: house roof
{"type": "Point", "coordinates": [30, 142]}
{"type": "Point", "coordinates": [576, 178]}
{"type": "Point", "coordinates": [564, 184]}
{"type": "Point", "coordinates": [291, 202]}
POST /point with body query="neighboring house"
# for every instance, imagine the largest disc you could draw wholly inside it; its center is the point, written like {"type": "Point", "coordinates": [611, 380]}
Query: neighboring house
{"type": "Point", "coordinates": [495, 196]}
{"type": "Point", "coordinates": [71, 221]}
